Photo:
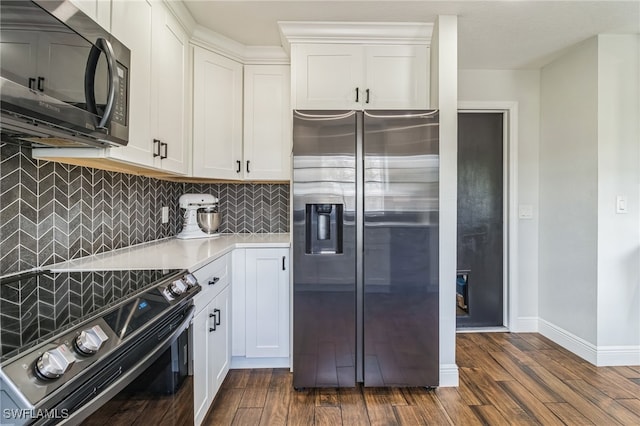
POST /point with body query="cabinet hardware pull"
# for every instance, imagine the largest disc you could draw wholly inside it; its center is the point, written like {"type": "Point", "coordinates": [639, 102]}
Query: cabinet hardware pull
{"type": "Point", "coordinates": [239, 166]}
{"type": "Point", "coordinates": [357, 94]}
{"type": "Point", "coordinates": [156, 148]}
{"type": "Point", "coordinates": [218, 316]}
{"type": "Point", "coordinates": [215, 320]}
{"type": "Point", "coordinates": [41, 84]}
{"type": "Point", "coordinates": [32, 81]}
{"type": "Point", "coordinates": [367, 100]}
{"type": "Point", "coordinates": [211, 330]}
{"type": "Point", "coordinates": [214, 280]}
{"type": "Point", "coordinates": [283, 260]}
{"type": "Point", "coordinates": [247, 166]}
{"type": "Point", "coordinates": [166, 150]}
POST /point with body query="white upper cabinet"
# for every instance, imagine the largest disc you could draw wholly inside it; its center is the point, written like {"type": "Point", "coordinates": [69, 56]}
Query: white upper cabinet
{"type": "Point", "coordinates": [267, 122]}
{"type": "Point", "coordinates": [169, 94]}
{"type": "Point", "coordinates": [356, 76]}
{"type": "Point", "coordinates": [132, 25]}
{"type": "Point", "coordinates": [98, 10]}
{"type": "Point", "coordinates": [217, 116]}
{"type": "Point", "coordinates": [327, 76]}
{"type": "Point", "coordinates": [240, 134]}
{"type": "Point", "coordinates": [396, 77]}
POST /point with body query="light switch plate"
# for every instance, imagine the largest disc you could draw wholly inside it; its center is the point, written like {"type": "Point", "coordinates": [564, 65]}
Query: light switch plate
{"type": "Point", "coordinates": [165, 214]}
{"type": "Point", "coordinates": [525, 211]}
{"type": "Point", "coordinates": [621, 204]}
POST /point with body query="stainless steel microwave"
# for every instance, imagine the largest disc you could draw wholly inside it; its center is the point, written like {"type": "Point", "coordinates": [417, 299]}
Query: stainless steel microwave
{"type": "Point", "coordinates": [64, 80]}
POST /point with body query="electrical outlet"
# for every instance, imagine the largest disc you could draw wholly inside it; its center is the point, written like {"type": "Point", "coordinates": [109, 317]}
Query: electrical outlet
{"type": "Point", "coordinates": [165, 214]}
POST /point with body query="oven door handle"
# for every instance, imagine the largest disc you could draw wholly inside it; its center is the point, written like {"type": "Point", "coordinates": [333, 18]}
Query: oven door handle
{"type": "Point", "coordinates": [129, 376]}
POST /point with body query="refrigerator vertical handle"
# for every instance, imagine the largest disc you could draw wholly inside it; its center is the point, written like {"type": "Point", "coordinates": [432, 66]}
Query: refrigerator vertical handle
{"type": "Point", "coordinates": [357, 94]}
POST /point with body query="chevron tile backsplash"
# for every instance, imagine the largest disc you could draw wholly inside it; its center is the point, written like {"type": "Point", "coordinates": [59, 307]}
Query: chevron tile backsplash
{"type": "Point", "coordinates": [52, 212]}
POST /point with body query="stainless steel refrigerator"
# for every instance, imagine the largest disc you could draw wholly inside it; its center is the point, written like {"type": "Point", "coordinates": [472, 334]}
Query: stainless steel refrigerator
{"type": "Point", "coordinates": [365, 248]}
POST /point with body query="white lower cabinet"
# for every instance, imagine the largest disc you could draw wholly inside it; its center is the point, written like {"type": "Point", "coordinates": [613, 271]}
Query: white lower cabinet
{"type": "Point", "coordinates": [260, 308]}
{"type": "Point", "coordinates": [211, 335]}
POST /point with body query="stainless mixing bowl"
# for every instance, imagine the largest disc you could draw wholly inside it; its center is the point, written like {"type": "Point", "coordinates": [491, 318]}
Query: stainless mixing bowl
{"type": "Point", "coordinates": [209, 219]}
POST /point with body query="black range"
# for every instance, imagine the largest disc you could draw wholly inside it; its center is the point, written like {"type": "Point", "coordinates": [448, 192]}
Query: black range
{"type": "Point", "coordinates": [69, 340]}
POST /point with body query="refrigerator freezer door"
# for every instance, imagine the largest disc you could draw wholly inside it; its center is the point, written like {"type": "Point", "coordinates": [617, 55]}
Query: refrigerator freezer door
{"type": "Point", "coordinates": [324, 249]}
{"type": "Point", "coordinates": [401, 176]}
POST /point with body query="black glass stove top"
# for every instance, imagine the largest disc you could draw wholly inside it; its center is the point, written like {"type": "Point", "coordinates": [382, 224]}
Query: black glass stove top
{"type": "Point", "coordinates": [37, 306]}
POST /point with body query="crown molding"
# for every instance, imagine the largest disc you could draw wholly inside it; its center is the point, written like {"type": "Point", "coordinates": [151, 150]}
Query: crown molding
{"type": "Point", "coordinates": [354, 32]}
{"type": "Point", "coordinates": [210, 40]}
{"type": "Point", "coordinates": [248, 55]}
{"type": "Point", "coordinates": [179, 10]}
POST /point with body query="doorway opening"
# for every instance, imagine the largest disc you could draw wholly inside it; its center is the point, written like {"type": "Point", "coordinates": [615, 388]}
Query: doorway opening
{"type": "Point", "coordinates": [482, 229]}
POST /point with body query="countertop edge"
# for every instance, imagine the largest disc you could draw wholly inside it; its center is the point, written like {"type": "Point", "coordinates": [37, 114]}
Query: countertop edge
{"type": "Point", "coordinates": [171, 253]}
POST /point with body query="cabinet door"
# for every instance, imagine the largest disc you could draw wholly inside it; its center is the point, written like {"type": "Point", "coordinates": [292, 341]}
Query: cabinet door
{"type": "Point", "coordinates": [217, 116]}
{"type": "Point", "coordinates": [397, 77]}
{"type": "Point", "coordinates": [267, 303]}
{"type": "Point", "coordinates": [201, 369]}
{"type": "Point", "coordinates": [98, 10]}
{"type": "Point", "coordinates": [326, 76]}
{"type": "Point", "coordinates": [132, 25]}
{"type": "Point", "coordinates": [169, 90]}
{"type": "Point", "coordinates": [267, 122]}
{"type": "Point", "coordinates": [221, 339]}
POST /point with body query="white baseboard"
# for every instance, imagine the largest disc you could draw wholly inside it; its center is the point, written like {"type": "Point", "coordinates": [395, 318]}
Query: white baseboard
{"type": "Point", "coordinates": [449, 375]}
{"type": "Point", "coordinates": [610, 356]}
{"type": "Point", "coordinates": [240, 362]}
{"type": "Point", "coordinates": [600, 356]}
{"type": "Point", "coordinates": [525, 325]}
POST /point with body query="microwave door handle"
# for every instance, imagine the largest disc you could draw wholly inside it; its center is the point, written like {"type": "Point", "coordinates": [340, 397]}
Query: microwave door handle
{"type": "Point", "coordinates": [102, 45]}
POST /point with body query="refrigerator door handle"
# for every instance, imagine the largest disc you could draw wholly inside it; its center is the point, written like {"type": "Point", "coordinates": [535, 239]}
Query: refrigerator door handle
{"type": "Point", "coordinates": [319, 117]}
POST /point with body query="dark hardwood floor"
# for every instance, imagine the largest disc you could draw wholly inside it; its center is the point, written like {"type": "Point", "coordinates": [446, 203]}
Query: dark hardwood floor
{"type": "Point", "coordinates": [505, 378]}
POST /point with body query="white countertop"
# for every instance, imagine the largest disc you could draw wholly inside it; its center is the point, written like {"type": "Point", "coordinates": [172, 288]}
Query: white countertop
{"type": "Point", "coordinates": [172, 253]}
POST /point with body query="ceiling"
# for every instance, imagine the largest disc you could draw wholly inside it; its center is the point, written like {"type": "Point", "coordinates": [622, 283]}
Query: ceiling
{"type": "Point", "coordinates": [508, 34]}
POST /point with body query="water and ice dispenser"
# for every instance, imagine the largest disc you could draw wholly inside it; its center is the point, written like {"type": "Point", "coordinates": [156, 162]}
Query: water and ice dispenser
{"type": "Point", "coordinates": [323, 228]}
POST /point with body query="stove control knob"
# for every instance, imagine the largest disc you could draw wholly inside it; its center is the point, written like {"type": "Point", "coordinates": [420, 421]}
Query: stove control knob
{"type": "Point", "coordinates": [54, 362]}
{"type": "Point", "coordinates": [177, 287]}
{"type": "Point", "coordinates": [191, 280]}
{"type": "Point", "coordinates": [90, 340]}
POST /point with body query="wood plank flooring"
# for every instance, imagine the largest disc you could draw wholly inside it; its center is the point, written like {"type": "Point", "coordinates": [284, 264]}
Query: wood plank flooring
{"type": "Point", "coordinates": [505, 378]}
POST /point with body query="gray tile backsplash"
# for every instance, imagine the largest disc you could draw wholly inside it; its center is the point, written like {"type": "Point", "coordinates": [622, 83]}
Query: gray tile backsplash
{"type": "Point", "coordinates": [51, 212]}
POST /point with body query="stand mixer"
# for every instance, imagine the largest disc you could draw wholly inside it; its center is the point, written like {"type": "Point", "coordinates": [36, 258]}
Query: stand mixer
{"type": "Point", "coordinates": [201, 216]}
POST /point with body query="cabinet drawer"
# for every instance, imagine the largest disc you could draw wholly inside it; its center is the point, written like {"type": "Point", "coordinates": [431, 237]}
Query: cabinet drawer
{"type": "Point", "coordinates": [213, 277]}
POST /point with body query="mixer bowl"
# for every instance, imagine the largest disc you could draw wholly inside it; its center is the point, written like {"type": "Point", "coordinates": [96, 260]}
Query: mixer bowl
{"type": "Point", "coordinates": [209, 219]}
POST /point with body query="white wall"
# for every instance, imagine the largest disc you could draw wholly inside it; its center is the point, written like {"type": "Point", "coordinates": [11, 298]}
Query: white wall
{"type": "Point", "coordinates": [589, 154]}
{"type": "Point", "coordinates": [444, 60]}
{"type": "Point", "coordinates": [568, 193]}
{"type": "Point", "coordinates": [618, 174]}
{"type": "Point", "coordinates": [523, 87]}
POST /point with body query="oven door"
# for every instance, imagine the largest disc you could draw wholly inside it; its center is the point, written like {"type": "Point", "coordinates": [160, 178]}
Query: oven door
{"type": "Point", "coordinates": [147, 381]}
